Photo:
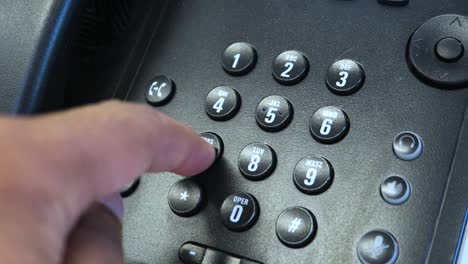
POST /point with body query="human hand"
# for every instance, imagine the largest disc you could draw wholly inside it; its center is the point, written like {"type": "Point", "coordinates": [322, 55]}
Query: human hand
{"type": "Point", "coordinates": [55, 168]}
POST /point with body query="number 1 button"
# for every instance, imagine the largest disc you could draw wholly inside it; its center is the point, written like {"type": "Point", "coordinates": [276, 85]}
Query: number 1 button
{"type": "Point", "coordinates": [239, 58]}
{"type": "Point", "coordinates": [274, 113]}
{"type": "Point", "coordinates": [290, 67]}
{"type": "Point", "coordinates": [222, 103]}
{"type": "Point", "coordinates": [329, 124]}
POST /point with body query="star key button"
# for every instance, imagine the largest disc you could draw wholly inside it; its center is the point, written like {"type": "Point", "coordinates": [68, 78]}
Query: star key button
{"type": "Point", "coordinates": [185, 198]}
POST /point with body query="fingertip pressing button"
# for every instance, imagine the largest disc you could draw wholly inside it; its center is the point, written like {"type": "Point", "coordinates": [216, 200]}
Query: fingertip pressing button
{"type": "Point", "coordinates": [130, 189]}
{"type": "Point", "coordinates": [407, 145]}
{"type": "Point", "coordinates": [214, 140]}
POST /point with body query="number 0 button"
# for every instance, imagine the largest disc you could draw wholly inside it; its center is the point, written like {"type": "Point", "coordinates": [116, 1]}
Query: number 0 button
{"type": "Point", "coordinates": [290, 67]}
{"type": "Point", "coordinates": [222, 103]}
{"type": "Point", "coordinates": [257, 161]}
{"type": "Point", "coordinates": [345, 77]}
{"type": "Point", "coordinates": [329, 124]}
{"type": "Point", "coordinates": [239, 211]}
{"type": "Point", "coordinates": [274, 113]}
{"type": "Point", "coordinates": [239, 58]}
{"type": "Point", "coordinates": [313, 175]}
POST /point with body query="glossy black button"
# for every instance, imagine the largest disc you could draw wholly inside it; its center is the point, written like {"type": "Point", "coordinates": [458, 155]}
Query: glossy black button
{"type": "Point", "coordinates": [407, 145]}
{"type": "Point", "coordinates": [191, 254]}
{"type": "Point", "coordinates": [160, 91]}
{"type": "Point", "coordinates": [394, 2]}
{"type": "Point", "coordinates": [395, 190]}
{"type": "Point", "coordinates": [449, 49]}
{"type": "Point", "coordinates": [185, 198]}
{"type": "Point", "coordinates": [239, 58]}
{"type": "Point", "coordinates": [296, 227]}
{"type": "Point", "coordinates": [222, 103]}
{"type": "Point", "coordinates": [313, 175]}
{"type": "Point", "coordinates": [257, 161]}
{"type": "Point", "coordinates": [216, 257]}
{"type": "Point", "coordinates": [239, 211]}
{"type": "Point", "coordinates": [377, 247]}
{"type": "Point", "coordinates": [274, 113]}
{"type": "Point", "coordinates": [130, 189]}
{"type": "Point", "coordinates": [329, 124]}
{"type": "Point", "coordinates": [345, 77]}
{"type": "Point", "coordinates": [290, 67]}
{"type": "Point", "coordinates": [214, 140]}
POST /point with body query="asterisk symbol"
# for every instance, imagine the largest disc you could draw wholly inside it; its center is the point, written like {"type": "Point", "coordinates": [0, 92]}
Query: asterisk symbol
{"type": "Point", "coordinates": [184, 196]}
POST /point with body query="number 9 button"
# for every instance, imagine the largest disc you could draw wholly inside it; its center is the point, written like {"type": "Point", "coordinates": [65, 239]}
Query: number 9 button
{"type": "Point", "coordinates": [329, 124]}
{"type": "Point", "coordinates": [239, 211]}
{"type": "Point", "coordinates": [290, 67]}
{"type": "Point", "coordinates": [257, 161]}
{"type": "Point", "coordinates": [222, 103]}
{"type": "Point", "coordinates": [313, 175]}
{"type": "Point", "coordinates": [274, 113]}
{"type": "Point", "coordinates": [345, 77]}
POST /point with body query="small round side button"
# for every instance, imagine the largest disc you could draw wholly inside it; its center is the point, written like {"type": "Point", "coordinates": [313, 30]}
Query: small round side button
{"type": "Point", "coordinates": [407, 145]}
{"type": "Point", "coordinates": [395, 190]}
{"type": "Point", "coordinates": [160, 90]}
{"type": "Point", "coordinates": [377, 247]}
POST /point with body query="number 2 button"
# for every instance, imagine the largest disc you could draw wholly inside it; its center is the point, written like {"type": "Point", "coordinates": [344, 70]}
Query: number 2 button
{"type": "Point", "coordinates": [329, 124]}
{"type": "Point", "coordinates": [222, 103]}
{"type": "Point", "coordinates": [239, 58]}
{"type": "Point", "coordinates": [257, 161]}
{"type": "Point", "coordinates": [274, 113]}
{"type": "Point", "coordinates": [290, 67]}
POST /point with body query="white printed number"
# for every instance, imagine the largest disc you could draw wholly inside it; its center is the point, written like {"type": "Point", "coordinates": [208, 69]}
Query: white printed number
{"type": "Point", "coordinates": [236, 60]}
{"type": "Point", "coordinates": [289, 66]}
{"type": "Point", "coordinates": [236, 213]}
{"type": "Point", "coordinates": [270, 116]}
{"type": "Point", "coordinates": [326, 126]}
{"type": "Point", "coordinates": [218, 106]}
{"type": "Point", "coordinates": [253, 165]}
{"type": "Point", "coordinates": [344, 77]}
{"type": "Point", "coordinates": [311, 175]}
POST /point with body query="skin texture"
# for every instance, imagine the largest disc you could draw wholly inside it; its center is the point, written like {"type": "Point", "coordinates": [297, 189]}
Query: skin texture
{"type": "Point", "coordinates": [55, 167]}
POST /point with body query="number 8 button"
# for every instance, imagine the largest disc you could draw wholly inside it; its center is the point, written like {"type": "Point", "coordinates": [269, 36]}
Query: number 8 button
{"type": "Point", "coordinates": [274, 113]}
{"type": "Point", "coordinates": [257, 161]}
{"type": "Point", "coordinates": [329, 124]}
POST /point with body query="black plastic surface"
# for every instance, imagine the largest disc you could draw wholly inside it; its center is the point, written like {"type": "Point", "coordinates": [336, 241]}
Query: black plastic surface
{"type": "Point", "coordinates": [392, 100]}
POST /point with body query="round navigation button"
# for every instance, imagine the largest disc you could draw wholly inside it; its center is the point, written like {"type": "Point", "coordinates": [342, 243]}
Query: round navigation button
{"type": "Point", "coordinates": [185, 197]}
{"type": "Point", "coordinates": [290, 67]}
{"type": "Point", "coordinates": [377, 247]}
{"type": "Point", "coordinates": [296, 227]}
{"type": "Point", "coordinates": [239, 58]}
{"type": "Point", "coordinates": [449, 49]}
{"type": "Point", "coordinates": [257, 161]}
{"type": "Point", "coordinates": [313, 175]}
{"type": "Point", "coordinates": [222, 103]}
{"type": "Point", "coordinates": [329, 124]}
{"type": "Point", "coordinates": [345, 77]}
{"type": "Point", "coordinates": [395, 190]}
{"type": "Point", "coordinates": [274, 113]}
{"type": "Point", "coordinates": [239, 211]}
{"type": "Point", "coordinates": [214, 140]}
{"type": "Point", "coordinates": [160, 90]}
{"type": "Point", "coordinates": [407, 145]}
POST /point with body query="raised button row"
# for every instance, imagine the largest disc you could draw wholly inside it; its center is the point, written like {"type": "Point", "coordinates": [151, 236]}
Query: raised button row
{"type": "Point", "coordinates": [191, 253]}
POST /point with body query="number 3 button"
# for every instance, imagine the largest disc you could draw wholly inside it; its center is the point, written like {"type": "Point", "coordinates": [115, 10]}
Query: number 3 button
{"type": "Point", "coordinates": [329, 124]}
{"type": "Point", "coordinates": [345, 77]}
{"type": "Point", "coordinates": [290, 67]}
{"type": "Point", "coordinates": [274, 113]}
{"type": "Point", "coordinates": [222, 103]}
{"type": "Point", "coordinates": [257, 161]}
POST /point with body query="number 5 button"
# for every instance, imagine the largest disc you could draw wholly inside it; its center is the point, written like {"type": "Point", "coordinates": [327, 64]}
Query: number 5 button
{"type": "Point", "coordinates": [290, 67]}
{"type": "Point", "coordinates": [222, 103]}
{"type": "Point", "coordinates": [274, 113]}
{"type": "Point", "coordinates": [329, 124]}
{"type": "Point", "coordinates": [313, 175]}
{"type": "Point", "coordinates": [257, 161]}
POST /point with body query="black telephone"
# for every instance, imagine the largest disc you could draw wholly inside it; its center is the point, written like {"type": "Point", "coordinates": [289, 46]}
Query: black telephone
{"type": "Point", "coordinates": [341, 126]}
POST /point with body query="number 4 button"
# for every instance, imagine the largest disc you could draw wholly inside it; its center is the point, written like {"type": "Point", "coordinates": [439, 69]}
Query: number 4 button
{"type": "Point", "coordinates": [222, 103]}
{"type": "Point", "coordinates": [329, 124]}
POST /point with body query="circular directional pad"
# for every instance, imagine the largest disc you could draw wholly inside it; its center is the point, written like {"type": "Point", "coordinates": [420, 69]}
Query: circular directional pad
{"type": "Point", "coordinates": [436, 51]}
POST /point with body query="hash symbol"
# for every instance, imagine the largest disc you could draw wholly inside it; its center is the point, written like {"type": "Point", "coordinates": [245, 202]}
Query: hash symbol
{"type": "Point", "coordinates": [294, 225]}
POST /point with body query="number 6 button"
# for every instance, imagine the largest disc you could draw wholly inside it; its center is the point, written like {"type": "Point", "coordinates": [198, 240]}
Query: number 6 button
{"type": "Point", "coordinates": [290, 67]}
{"type": "Point", "coordinates": [257, 161]}
{"type": "Point", "coordinates": [222, 103]}
{"type": "Point", "coordinates": [329, 124]}
{"type": "Point", "coordinates": [274, 113]}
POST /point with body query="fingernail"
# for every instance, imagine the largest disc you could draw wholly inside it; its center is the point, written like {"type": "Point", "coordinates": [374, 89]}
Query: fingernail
{"type": "Point", "coordinates": [115, 204]}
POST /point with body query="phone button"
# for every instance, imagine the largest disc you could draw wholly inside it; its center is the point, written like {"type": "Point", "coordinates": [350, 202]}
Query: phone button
{"type": "Point", "coordinates": [160, 90]}
{"type": "Point", "coordinates": [274, 113]}
{"type": "Point", "coordinates": [395, 190]}
{"type": "Point", "coordinates": [407, 145]}
{"type": "Point", "coordinates": [296, 227]}
{"type": "Point", "coordinates": [239, 58]}
{"type": "Point", "coordinates": [257, 161]}
{"type": "Point", "coordinates": [313, 175]}
{"type": "Point", "coordinates": [185, 197]}
{"type": "Point", "coordinates": [239, 211]}
{"type": "Point", "coordinates": [222, 103]}
{"type": "Point", "coordinates": [377, 247]}
{"type": "Point", "coordinates": [290, 67]}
